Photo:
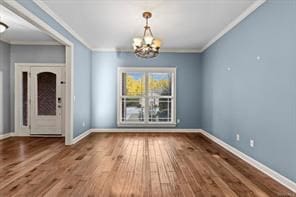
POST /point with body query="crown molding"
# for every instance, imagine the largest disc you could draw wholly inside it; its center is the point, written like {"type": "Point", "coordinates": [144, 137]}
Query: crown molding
{"type": "Point", "coordinates": [180, 50]}
{"type": "Point", "coordinates": [34, 43]}
{"type": "Point", "coordinates": [229, 27]}
{"type": "Point", "coordinates": [21, 11]}
{"type": "Point", "coordinates": [45, 8]}
{"type": "Point", "coordinates": [112, 50]}
{"type": "Point", "coordinates": [161, 50]}
{"type": "Point", "coordinates": [5, 41]}
{"type": "Point", "coordinates": [20, 42]}
{"type": "Point", "coordinates": [235, 22]}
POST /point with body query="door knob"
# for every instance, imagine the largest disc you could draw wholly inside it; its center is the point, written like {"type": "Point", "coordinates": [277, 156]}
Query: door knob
{"type": "Point", "coordinates": [59, 106]}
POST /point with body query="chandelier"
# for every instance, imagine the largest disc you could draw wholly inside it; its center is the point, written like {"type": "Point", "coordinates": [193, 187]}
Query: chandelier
{"type": "Point", "coordinates": [147, 46]}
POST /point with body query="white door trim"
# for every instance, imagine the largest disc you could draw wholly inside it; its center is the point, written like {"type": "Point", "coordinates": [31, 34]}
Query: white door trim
{"type": "Point", "coordinates": [18, 129]}
{"type": "Point", "coordinates": [39, 64]}
{"type": "Point", "coordinates": [17, 8]}
{"type": "Point", "coordinates": [20, 67]}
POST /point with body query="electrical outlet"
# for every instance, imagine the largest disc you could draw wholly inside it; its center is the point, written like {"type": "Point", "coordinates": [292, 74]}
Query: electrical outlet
{"type": "Point", "coordinates": [178, 121]}
{"type": "Point", "coordinates": [252, 143]}
{"type": "Point", "coordinates": [258, 58]}
{"type": "Point", "coordinates": [237, 137]}
{"type": "Point", "coordinates": [83, 124]}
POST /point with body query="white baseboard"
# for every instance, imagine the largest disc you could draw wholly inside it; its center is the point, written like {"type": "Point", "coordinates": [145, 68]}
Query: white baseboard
{"type": "Point", "coordinates": [81, 136]}
{"type": "Point", "coordinates": [156, 130]}
{"type": "Point", "coordinates": [124, 130]}
{"type": "Point", "coordinates": [266, 170]}
{"type": "Point", "coordinates": [5, 135]}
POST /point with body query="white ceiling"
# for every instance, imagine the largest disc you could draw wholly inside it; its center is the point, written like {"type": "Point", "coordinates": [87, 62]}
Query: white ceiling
{"type": "Point", "coordinates": [188, 25]}
{"type": "Point", "coordinates": [20, 31]}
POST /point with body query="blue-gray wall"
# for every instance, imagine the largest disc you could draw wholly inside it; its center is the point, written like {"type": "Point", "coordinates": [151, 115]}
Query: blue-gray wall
{"type": "Point", "coordinates": [255, 98]}
{"type": "Point", "coordinates": [31, 54]}
{"type": "Point", "coordinates": [104, 85]}
{"type": "Point", "coordinates": [4, 88]}
{"type": "Point", "coordinates": [82, 70]}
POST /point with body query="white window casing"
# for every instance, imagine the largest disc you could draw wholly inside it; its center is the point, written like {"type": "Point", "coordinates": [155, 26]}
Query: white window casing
{"type": "Point", "coordinates": [145, 121]}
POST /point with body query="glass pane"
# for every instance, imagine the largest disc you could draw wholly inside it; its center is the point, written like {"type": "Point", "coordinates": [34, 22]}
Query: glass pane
{"type": "Point", "coordinates": [160, 84]}
{"type": "Point", "coordinates": [160, 110]}
{"type": "Point", "coordinates": [133, 84]}
{"type": "Point", "coordinates": [25, 98]}
{"type": "Point", "coordinates": [132, 109]}
{"type": "Point", "coordinates": [46, 93]}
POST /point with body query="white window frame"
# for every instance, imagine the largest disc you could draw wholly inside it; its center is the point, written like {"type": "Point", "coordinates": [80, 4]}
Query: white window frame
{"type": "Point", "coordinates": [146, 70]}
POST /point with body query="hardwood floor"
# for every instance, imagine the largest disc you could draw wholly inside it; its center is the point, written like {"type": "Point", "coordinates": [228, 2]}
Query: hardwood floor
{"type": "Point", "coordinates": [128, 164]}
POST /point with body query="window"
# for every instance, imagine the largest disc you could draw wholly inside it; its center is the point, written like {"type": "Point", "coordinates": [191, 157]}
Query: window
{"type": "Point", "coordinates": [46, 93]}
{"type": "Point", "coordinates": [25, 98]}
{"type": "Point", "coordinates": [146, 97]}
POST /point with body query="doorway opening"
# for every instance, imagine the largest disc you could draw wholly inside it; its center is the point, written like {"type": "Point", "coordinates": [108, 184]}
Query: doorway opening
{"type": "Point", "coordinates": [45, 91]}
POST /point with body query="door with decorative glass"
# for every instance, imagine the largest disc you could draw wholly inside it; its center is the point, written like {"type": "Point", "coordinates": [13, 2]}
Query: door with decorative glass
{"type": "Point", "coordinates": [39, 100]}
{"type": "Point", "coordinates": [46, 100]}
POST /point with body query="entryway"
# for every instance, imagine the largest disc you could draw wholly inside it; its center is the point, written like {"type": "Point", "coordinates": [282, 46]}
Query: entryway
{"type": "Point", "coordinates": [26, 30]}
{"type": "Point", "coordinates": [39, 99]}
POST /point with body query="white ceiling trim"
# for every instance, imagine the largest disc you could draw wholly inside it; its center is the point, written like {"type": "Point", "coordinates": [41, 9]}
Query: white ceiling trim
{"type": "Point", "coordinates": [34, 43]}
{"type": "Point", "coordinates": [161, 50]}
{"type": "Point", "coordinates": [17, 8]}
{"type": "Point", "coordinates": [180, 50]}
{"type": "Point", "coordinates": [230, 26]}
{"type": "Point", "coordinates": [235, 22]}
{"type": "Point", "coordinates": [45, 8]}
{"type": "Point", "coordinates": [111, 50]}
{"type": "Point", "coordinates": [3, 40]}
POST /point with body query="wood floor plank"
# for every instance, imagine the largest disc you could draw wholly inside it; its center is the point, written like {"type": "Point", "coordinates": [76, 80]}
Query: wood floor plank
{"type": "Point", "coordinates": [128, 164]}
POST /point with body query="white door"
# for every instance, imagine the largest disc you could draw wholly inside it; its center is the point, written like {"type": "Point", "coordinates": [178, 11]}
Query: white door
{"type": "Point", "coordinates": [46, 100]}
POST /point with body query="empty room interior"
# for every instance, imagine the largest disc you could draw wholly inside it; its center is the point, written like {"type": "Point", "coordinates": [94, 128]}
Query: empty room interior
{"type": "Point", "coordinates": [147, 98]}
